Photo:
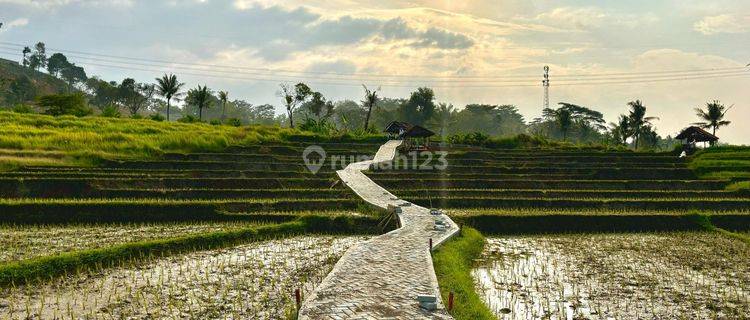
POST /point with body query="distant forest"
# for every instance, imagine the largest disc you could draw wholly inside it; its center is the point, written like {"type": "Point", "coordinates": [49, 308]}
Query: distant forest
{"type": "Point", "coordinates": [65, 88]}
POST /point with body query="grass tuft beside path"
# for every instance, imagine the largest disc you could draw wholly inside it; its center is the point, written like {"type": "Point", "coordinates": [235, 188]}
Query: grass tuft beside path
{"type": "Point", "coordinates": [453, 262]}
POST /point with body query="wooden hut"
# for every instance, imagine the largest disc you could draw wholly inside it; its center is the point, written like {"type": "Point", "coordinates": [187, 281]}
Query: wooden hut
{"type": "Point", "coordinates": [415, 137]}
{"type": "Point", "coordinates": [691, 135]}
{"type": "Point", "coordinates": [396, 129]}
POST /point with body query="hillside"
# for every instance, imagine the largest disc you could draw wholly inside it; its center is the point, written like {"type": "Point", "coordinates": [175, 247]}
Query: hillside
{"type": "Point", "coordinates": [20, 84]}
{"type": "Point", "coordinates": [35, 139]}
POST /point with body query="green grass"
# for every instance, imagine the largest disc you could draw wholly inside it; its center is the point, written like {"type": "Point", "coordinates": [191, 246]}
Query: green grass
{"type": "Point", "coordinates": [723, 162]}
{"type": "Point", "coordinates": [741, 185]}
{"type": "Point", "coordinates": [453, 262]}
{"type": "Point", "coordinates": [84, 141]}
{"type": "Point", "coordinates": [705, 221]}
{"type": "Point", "coordinates": [44, 268]}
{"type": "Point", "coordinates": [555, 220]}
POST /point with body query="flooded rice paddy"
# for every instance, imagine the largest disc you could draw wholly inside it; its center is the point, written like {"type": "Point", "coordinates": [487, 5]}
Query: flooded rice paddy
{"type": "Point", "coordinates": [686, 275]}
{"type": "Point", "coordinates": [253, 281]}
{"type": "Point", "coordinates": [19, 242]}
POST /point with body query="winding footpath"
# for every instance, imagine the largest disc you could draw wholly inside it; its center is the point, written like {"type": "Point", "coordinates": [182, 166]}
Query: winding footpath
{"type": "Point", "coordinates": [382, 277]}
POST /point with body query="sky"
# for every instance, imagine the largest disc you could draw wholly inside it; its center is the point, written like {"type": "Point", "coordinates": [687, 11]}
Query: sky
{"type": "Point", "coordinates": [674, 55]}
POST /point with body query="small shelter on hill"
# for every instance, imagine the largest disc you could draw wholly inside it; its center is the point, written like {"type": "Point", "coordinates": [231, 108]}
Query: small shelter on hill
{"type": "Point", "coordinates": [693, 134]}
{"type": "Point", "coordinates": [396, 129]}
{"type": "Point", "coordinates": [414, 136]}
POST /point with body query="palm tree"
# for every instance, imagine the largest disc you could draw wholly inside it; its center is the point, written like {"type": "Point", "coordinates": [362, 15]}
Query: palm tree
{"type": "Point", "coordinates": [562, 117]}
{"type": "Point", "coordinates": [621, 130]}
{"type": "Point", "coordinates": [638, 119]}
{"type": "Point", "coordinates": [168, 87]}
{"type": "Point", "coordinates": [371, 99]}
{"type": "Point", "coordinates": [202, 98]}
{"type": "Point", "coordinates": [713, 116]}
{"type": "Point", "coordinates": [223, 97]}
{"type": "Point", "coordinates": [443, 118]}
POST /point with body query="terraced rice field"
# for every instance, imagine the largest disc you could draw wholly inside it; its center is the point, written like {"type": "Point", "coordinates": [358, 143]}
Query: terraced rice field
{"type": "Point", "coordinates": [550, 180]}
{"type": "Point", "coordinates": [239, 181]}
{"type": "Point", "coordinates": [572, 232]}
{"type": "Point", "coordinates": [21, 242]}
{"type": "Point", "coordinates": [202, 235]}
{"type": "Point", "coordinates": [232, 234]}
{"type": "Point", "coordinates": [684, 275]}
{"type": "Point", "coordinates": [257, 280]}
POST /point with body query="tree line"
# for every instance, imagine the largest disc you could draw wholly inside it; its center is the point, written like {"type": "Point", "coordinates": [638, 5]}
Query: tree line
{"type": "Point", "coordinates": [308, 109]}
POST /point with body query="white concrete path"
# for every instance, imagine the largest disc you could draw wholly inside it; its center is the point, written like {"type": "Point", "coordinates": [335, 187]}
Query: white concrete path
{"type": "Point", "coordinates": [381, 278]}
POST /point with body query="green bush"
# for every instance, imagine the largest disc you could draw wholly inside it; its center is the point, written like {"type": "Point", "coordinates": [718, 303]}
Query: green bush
{"type": "Point", "coordinates": [474, 139]}
{"type": "Point", "coordinates": [215, 122]}
{"type": "Point", "coordinates": [235, 122]}
{"type": "Point", "coordinates": [157, 117]}
{"type": "Point", "coordinates": [189, 119]}
{"type": "Point", "coordinates": [111, 111]}
{"type": "Point", "coordinates": [65, 104]}
{"type": "Point", "coordinates": [22, 108]}
{"type": "Point", "coordinates": [321, 126]}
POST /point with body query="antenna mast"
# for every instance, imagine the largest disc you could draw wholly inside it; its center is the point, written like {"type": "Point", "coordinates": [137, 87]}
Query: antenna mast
{"type": "Point", "coordinates": [545, 84]}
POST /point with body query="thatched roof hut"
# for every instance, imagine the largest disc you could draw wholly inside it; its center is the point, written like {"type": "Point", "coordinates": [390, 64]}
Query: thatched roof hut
{"type": "Point", "coordinates": [415, 137]}
{"type": "Point", "coordinates": [407, 130]}
{"type": "Point", "coordinates": [418, 132]}
{"type": "Point", "coordinates": [695, 134]}
{"type": "Point", "coordinates": [397, 128]}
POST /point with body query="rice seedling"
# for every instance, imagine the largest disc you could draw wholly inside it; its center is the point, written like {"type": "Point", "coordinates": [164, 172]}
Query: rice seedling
{"type": "Point", "coordinates": [691, 275]}
{"type": "Point", "coordinates": [21, 242]}
{"type": "Point", "coordinates": [248, 281]}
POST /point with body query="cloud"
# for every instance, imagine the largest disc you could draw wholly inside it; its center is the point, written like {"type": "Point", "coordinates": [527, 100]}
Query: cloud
{"type": "Point", "coordinates": [348, 30]}
{"type": "Point", "coordinates": [336, 66]}
{"type": "Point", "coordinates": [587, 18]}
{"type": "Point", "coordinates": [723, 23]}
{"type": "Point", "coordinates": [443, 39]}
{"type": "Point", "coordinates": [52, 4]}
{"type": "Point", "coordinates": [397, 29]}
{"type": "Point", "coordinates": [343, 30]}
{"type": "Point", "coordinates": [20, 22]}
{"type": "Point", "coordinates": [673, 59]}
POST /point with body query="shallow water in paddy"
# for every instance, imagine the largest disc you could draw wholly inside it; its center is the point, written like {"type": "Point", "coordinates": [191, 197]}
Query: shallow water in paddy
{"type": "Point", "coordinates": [616, 276]}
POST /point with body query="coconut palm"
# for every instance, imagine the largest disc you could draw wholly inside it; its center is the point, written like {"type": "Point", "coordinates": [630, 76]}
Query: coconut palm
{"type": "Point", "coordinates": [713, 116]}
{"type": "Point", "coordinates": [638, 120]}
{"type": "Point", "coordinates": [223, 97]}
{"type": "Point", "coordinates": [371, 99]}
{"type": "Point", "coordinates": [621, 130]}
{"type": "Point", "coordinates": [168, 87]}
{"type": "Point", "coordinates": [202, 99]}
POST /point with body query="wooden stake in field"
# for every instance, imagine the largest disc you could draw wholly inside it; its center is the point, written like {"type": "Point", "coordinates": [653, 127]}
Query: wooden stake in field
{"type": "Point", "coordinates": [298, 298]}
{"type": "Point", "coordinates": [450, 301]}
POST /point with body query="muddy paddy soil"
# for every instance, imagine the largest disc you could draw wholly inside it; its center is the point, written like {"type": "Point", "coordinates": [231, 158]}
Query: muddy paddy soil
{"type": "Point", "coordinates": [616, 276]}
{"type": "Point", "coordinates": [254, 281]}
